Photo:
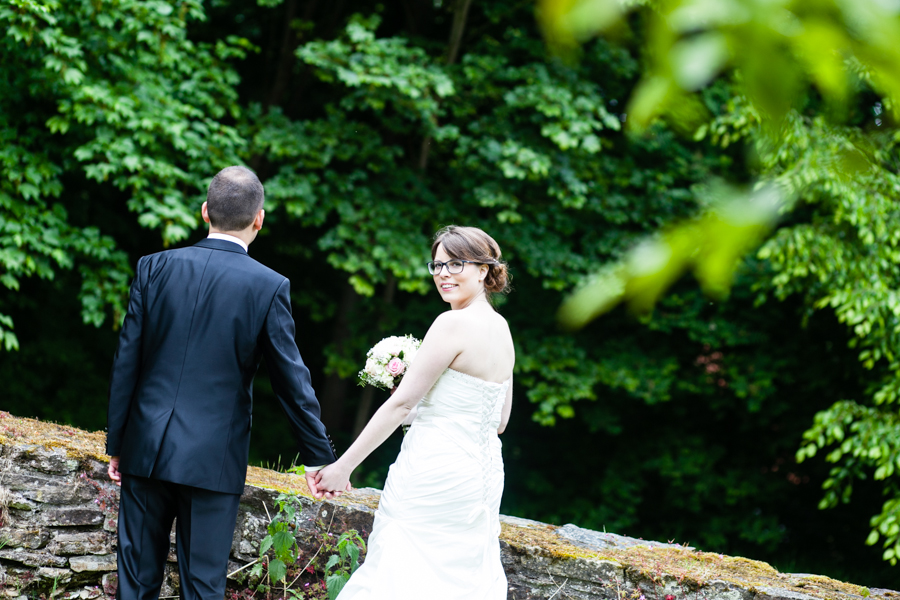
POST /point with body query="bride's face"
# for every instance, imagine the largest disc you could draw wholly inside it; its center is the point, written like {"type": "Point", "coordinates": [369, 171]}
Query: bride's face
{"type": "Point", "coordinates": [459, 289]}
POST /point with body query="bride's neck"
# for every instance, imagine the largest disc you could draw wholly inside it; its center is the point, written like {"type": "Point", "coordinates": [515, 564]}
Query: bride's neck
{"type": "Point", "coordinates": [478, 301]}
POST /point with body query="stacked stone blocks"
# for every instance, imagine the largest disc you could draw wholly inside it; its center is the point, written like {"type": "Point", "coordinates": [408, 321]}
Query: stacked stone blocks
{"type": "Point", "coordinates": [58, 539]}
{"type": "Point", "coordinates": [60, 522]}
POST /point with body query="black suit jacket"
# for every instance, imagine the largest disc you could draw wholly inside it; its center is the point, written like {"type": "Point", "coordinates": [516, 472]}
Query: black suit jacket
{"type": "Point", "coordinates": [181, 389]}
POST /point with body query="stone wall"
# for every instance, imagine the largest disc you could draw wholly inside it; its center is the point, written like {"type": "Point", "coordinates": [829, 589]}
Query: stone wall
{"type": "Point", "coordinates": [58, 513]}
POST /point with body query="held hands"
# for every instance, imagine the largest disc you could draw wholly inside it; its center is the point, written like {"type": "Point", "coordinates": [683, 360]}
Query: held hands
{"type": "Point", "coordinates": [314, 489]}
{"type": "Point", "coordinates": [329, 482]}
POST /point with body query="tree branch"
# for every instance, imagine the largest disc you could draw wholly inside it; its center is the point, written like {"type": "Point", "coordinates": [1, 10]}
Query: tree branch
{"type": "Point", "coordinates": [460, 16]}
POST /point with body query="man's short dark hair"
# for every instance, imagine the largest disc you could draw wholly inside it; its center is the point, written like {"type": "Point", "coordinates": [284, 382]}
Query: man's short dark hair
{"type": "Point", "coordinates": [234, 198]}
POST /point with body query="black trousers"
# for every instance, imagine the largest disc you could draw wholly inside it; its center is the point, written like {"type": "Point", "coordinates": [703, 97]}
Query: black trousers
{"type": "Point", "coordinates": [204, 530]}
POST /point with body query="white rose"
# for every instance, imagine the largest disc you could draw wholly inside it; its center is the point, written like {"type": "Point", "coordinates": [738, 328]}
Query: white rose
{"type": "Point", "coordinates": [372, 367]}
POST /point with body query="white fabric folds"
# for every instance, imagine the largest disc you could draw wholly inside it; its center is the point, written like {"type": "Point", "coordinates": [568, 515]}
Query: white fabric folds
{"type": "Point", "coordinates": [436, 531]}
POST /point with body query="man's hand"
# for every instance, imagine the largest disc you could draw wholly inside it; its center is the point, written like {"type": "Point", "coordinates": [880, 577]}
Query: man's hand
{"type": "Point", "coordinates": [313, 481]}
{"type": "Point", "coordinates": [333, 481]}
{"type": "Point", "coordinates": [113, 470]}
{"type": "Point", "coordinates": [313, 485]}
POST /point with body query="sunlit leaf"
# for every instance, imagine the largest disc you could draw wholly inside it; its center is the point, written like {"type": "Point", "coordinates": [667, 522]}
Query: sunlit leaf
{"type": "Point", "coordinates": [729, 233]}
{"type": "Point", "coordinates": [648, 101]}
{"type": "Point", "coordinates": [697, 59]}
{"type": "Point", "coordinates": [601, 294]}
{"type": "Point", "coordinates": [712, 246]}
{"type": "Point", "coordinates": [655, 264]}
{"type": "Point", "coordinates": [823, 46]}
{"type": "Point", "coordinates": [566, 23]}
{"type": "Point", "coordinates": [771, 79]}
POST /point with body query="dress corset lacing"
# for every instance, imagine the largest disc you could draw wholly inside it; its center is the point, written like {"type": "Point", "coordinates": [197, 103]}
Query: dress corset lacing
{"type": "Point", "coordinates": [493, 396]}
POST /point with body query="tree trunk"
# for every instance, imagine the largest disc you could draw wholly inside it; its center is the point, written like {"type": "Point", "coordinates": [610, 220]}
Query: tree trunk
{"type": "Point", "coordinates": [286, 55]}
{"type": "Point", "coordinates": [419, 16]}
{"type": "Point", "coordinates": [460, 15]}
{"type": "Point", "coordinates": [364, 410]}
{"type": "Point", "coordinates": [335, 391]}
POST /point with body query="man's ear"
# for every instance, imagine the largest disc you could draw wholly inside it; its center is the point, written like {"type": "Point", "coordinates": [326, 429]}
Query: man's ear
{"type": "Point", "coordinates": [205, 212]}
{"type": "Point", "coordinates": [258, 221]}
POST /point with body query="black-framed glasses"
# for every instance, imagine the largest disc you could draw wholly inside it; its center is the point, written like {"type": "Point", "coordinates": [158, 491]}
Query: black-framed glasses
{"type": "Point", "coordinates": [454, 266]}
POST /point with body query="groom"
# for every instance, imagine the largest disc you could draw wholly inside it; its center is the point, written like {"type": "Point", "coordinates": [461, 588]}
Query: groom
{"type": "Point", "coordinates": [180, 394]}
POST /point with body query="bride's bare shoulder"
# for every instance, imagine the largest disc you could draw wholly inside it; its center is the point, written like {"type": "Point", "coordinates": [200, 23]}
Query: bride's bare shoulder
{"type": "Point", "coordinates": [448, 321]}
{"type": "Point", "coordinates": [461, 319]}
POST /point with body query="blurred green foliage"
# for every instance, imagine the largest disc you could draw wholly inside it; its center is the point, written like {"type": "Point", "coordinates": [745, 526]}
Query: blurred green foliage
{"type": "Point", "coordinates": [370, 133]}
{"type": "Point", "coordinates": [779, 48]}
{"type": "Point", "coordinates": [799, 73]}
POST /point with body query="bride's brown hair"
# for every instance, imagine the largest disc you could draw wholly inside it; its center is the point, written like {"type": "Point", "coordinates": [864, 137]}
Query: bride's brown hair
{"type": "Point", "coordinates": [471, 243]}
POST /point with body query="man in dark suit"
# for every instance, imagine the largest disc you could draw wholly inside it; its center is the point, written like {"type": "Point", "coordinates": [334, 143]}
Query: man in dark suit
{"type": "Point", "coordinates": [180, 394]}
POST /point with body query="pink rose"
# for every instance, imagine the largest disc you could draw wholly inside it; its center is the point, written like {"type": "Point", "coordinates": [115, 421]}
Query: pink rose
{"type": "Point", "coordinates": [395, 367]}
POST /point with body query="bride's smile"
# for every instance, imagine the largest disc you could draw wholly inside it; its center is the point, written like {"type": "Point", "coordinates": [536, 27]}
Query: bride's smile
{"type": "Point", "coordinates": [459, 281]}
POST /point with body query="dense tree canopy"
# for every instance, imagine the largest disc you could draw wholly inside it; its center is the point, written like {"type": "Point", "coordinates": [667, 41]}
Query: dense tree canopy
{"type": "Point", "coordinates": [371, 128]}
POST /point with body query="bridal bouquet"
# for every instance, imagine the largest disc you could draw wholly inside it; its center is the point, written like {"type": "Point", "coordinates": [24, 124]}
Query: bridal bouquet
{"type": "Point", "coordinates": [388, 360]}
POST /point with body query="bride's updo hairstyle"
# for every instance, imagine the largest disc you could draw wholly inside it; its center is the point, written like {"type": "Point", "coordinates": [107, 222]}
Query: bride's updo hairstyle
{"type": "Point", "coordinates": [471, 243]}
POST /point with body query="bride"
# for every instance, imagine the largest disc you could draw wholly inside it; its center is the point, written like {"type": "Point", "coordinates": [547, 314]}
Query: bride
{"type": "Point", "coordinates": [436, 531]}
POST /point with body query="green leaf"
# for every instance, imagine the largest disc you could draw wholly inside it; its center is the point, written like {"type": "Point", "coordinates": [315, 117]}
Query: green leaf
{"type": "Point", "coordinates": [873, 538]}
{"type": "Point", "coordinates": [353, 552]}
{"type": "Point", "coordinates": [821, 45]}
{"type": "Point", "coordinates": [277, 569]}
{"type": "Point", "coordinates": [648, 101]}
{"type": "Point", "coordinates": [283, 542]}
{"type": "Point", "coordinates": [713, 245]}
{"type": "Point", "coordinates": [698, 59]}
{"type": "Point", "coordinates": [729, 233]}
{"type": "Point", "coordinates": [335, 583]}
{"type": "Point", "coordinates": [333, 560]}
{"type": "Point", "coordinates": [265, 544]}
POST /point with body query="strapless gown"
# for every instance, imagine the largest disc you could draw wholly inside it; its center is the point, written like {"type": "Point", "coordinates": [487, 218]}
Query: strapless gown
{"type": "Point", "coordinates": [437, 527]}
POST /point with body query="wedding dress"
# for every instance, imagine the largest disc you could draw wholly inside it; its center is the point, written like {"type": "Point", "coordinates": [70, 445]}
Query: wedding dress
{"type": "Point", "coordinates": [437, 527]}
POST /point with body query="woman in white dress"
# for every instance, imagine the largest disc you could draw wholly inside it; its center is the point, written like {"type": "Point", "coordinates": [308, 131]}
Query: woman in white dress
{"type": "Point", "coordinates": [436, 531]}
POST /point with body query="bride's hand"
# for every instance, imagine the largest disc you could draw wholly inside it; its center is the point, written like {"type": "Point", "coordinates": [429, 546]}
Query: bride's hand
{"type": "Point", "coordinates": [333, 480]}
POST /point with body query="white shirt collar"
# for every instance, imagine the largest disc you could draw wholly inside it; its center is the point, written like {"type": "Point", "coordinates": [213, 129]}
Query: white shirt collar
{"type": "Point", "coordinates": [228, 238]}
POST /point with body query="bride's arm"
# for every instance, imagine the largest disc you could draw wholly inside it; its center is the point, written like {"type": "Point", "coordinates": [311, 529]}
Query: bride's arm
{"type": "Point", "coordinates": [507, 408]}
{"type": "Point", "coordinates": [440, 347]}
{"type": "Point", "coordinates": [410, 417]}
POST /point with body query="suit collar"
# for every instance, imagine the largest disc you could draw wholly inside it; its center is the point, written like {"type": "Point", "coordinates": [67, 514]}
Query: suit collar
{"type": "Point", "coordinates": [221, 245]}
{"type": "Point", "coordinates": [216, 235]}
